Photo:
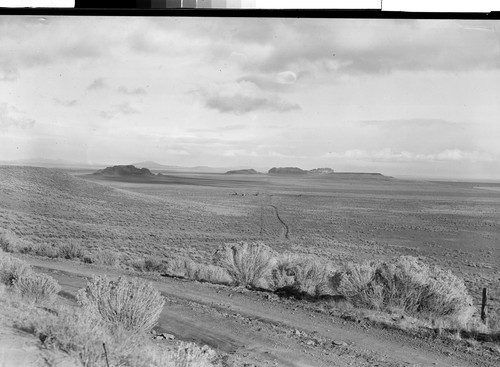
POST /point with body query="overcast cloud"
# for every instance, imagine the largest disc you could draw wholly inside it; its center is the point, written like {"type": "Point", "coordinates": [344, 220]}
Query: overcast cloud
{"type": "Point", "coordinates": [415, 97]}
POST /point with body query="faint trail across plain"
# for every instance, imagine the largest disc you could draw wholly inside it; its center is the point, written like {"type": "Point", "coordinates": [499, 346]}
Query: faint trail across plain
{"type": "Point", "coordinates": [286, 229]}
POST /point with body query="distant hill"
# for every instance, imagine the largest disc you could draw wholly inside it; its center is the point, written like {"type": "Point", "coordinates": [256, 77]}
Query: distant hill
{"type": "Point", "coordinates": [250, 171]}
{"type": "Point", "coordinates": [287, 171]}
{"type": "Point", "coordinates": [321, 171]}
{"type": "Point", "coordinates": [129, 170]}
{"type": "Point", "coordinates": [163, 167]}
{"type": "Point", "coordinates": [51, 163]}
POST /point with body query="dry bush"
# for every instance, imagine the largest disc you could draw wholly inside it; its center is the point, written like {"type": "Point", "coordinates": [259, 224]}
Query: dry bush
{"type": "Point", "coordinates": [281, 273]}
{"type": "Point", "coordinates": [45, 250]}
{"type": "Point", "coordinates": [409, 285]}
{"type": "Point", "coordinates": [189, 269]}
{"type": "Point", "coordinates": [71, 250]}
{"type": "Point", "coordinates": [10, 242]}
{"type": "Point", "coordinates": [38, 288]}
{"type": "Point", "coordinates": [147, 265]}
{"type": "Point", "coordinates": [72, 331]}
{"type": "Point", "coordinates": [249, 264]}
{"type": "Point", "coordinates": [129, 303]}
{"type": "Point", "coordinates": [12, 269]}
{"type": "Point", "coordinates": [213, 274]}
{"type": "Point", "coordinates": [302, 277]}
{"type": "Point", "coordinates": [106, 257]}
{"type": "Point", "coordinates": [80, 334]}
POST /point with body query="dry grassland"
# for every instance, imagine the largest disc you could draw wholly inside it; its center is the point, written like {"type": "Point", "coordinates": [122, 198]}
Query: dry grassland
{"type": "Point", "coordinates": [337, 218]}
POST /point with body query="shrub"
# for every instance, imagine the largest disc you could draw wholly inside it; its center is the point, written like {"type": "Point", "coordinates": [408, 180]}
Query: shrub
{"type": "Point", "coordinates": [71, 250]}
{"type": "Point", "coordinates": [302, 277]}
{"type": "Point", "coordinates": [107, 257]}
{"type": "Point", "coordinates": [45, 250]}
{"type": "Point", "coordinates": [81, 336]}
{"type": "Point", "coordinates": [147, 265]}
{"type": "Point", "coordinates": [187, 268]}
{"type": "Point", "coordinates": [249, 264]}
{"type": "Point", "coordinates": [12, 269]}
{"type": "Point", "coordinates": [10, 242]}
{"type": "Point", "coordinates": [132, 304]}
{"type": "Point", "coordinates": [70, 330]}
{"type": "Point", "coordinates": [212, 274]}
{"type": "Point", "coordinates": [409, 285]}
{"type": "Point", "coordinates": [39, 288]}
{"type": "Point", "coordinates": [311, 277]}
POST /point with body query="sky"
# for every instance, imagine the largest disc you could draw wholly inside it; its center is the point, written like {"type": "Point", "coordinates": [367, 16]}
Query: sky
{"type": "Point", "coordinates": [401, 97]}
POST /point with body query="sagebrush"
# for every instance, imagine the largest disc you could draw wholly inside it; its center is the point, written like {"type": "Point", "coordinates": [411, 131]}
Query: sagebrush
{"type": "Point", "coordinates": [11, 269]}
{"type": "Point", "coordinates": [249, 264]}
{"type": "Point", "coordinates": [129, 303]}
{"type": "Point", "coordinates": [302, 277]}
{"type": "Point", "coordinates": [407, 284]}
{"type": "Point", "coordinates": [38, 288]}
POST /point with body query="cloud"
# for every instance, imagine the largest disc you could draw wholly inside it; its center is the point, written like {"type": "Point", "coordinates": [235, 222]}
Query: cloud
{"type": "Point", "coordinates": [239, 152]}
{"type": "Point", "coordinates": [177, 152]}
{"type": "Point", "coordinates": [136, 91]}
{"type": "Point", "coordinates": [389, 155]}
{"type": "Point", "coordinates": [11, 117]}
{"type": "Point", "coordinates": [410, 123]}
{"type": "Point", "coordinates": [243, 97]}
{"type": "Point", "coordinates": [282, 81]}
{"type": "Point", "coordinates": [97, 84]}
{"type": "Point", "coordinates": [67, 103]}
{"type": "Point", "coordinates": [219, 129]}
{"type": "Point", "coordinates": [125, 108]}
{"type": "Point", "coordinates": [286, 77]}
{"type": "Point", "coordinates": [8, 72]}
{"type": "Point", "coordinates": [339, 47]}
{"type": "Point", "coordinates": [49, 41]}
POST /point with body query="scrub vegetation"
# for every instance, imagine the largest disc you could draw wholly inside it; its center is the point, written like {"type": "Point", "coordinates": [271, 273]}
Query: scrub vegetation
{"type": "Point", "coordinates": [116, 315]}
{"type": "Point", "coordinates": [419, 250]}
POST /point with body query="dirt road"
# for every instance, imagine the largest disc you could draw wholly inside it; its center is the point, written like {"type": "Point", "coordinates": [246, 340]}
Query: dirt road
{"type": "Point", "coordinates": [255, 328]}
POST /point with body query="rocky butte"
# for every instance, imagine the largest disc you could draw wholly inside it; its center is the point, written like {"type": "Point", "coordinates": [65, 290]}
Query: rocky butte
{"type": "Point", "coordinates": [322, 171]}
{"type": "Point", "coordinates": [299, 171]}
{"type": "Point", "coordinates": [287, 171]}
{"type": "Point", "coordinates": [250, 171]}
{"type": "Point", "coordinates": [123, 170]}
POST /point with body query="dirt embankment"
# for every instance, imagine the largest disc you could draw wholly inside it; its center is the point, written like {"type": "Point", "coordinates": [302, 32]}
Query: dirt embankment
{"type": "Point", "coordinates": [260, 329]}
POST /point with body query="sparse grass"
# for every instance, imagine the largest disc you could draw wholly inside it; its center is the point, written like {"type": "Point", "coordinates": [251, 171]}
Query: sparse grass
{"type": "Point", "coordinates": [181, 355]}
{"type": "Point", "coordinates": [129, 303]}
{"type": "Point", "coordinates": [249, 264]}
{"type": "Point", "coordinates": [409, 285]}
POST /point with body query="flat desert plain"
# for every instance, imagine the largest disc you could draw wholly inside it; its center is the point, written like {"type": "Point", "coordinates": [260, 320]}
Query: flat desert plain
{"type": "Point", "coordinates": [338, 217]}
